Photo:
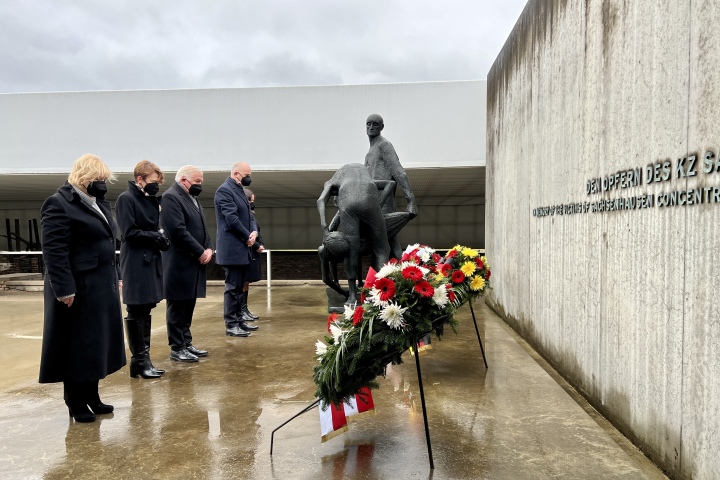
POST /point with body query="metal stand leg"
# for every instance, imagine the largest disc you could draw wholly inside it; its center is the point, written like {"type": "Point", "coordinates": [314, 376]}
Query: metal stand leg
{"type": "Point", "coordinates": [478, 334]}
{"type": "Point", "coordinates": [304, 410]}
{"type": "Point", "coordinates": [422, 401]}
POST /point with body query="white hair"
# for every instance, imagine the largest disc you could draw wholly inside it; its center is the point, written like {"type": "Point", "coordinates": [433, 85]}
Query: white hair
{"type": "Point", "coordinates": [186, 171]}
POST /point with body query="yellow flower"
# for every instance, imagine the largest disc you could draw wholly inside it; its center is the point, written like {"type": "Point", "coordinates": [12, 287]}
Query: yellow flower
{"type": "Point", "coordinates": [477, 283]}
{"type": "Point", "coordinates": [468, 268]}
{"type": "Point", "coordinates": [458, 248]}
{"type": "Point", "coordinates": [469, 252]}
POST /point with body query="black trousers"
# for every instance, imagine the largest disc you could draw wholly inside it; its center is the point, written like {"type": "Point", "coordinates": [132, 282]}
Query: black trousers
{"type": "Point", "coordinates": [235, 276]}
{"type": "Point", "coordinates": [178, 317]}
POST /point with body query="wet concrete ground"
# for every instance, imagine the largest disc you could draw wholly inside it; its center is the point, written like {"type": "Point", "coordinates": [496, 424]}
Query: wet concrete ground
{"type": "Point", "coordinates": [213, 419]}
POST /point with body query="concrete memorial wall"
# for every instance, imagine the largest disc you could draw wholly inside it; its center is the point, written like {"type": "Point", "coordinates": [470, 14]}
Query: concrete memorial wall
{"type": "Point", "coordinates": [603, 211]}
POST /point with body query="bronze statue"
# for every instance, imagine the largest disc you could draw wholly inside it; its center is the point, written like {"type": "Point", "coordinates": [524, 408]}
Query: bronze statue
{"type": "Point", "coordinates": [359, 224]}
{"type": "Point", "coordinates": [384, 164]}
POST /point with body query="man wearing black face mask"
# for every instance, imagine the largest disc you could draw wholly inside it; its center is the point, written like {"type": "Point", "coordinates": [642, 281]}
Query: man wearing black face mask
{"type": "Point", "coordinates": [185, 262]}
{"type": "Point", "coordinates": [236, 235]}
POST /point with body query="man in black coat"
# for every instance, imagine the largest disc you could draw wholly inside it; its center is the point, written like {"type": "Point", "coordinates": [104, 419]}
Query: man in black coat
{"type": "Point", "coordinates": [236, 235]}
{"type": "Point", "coordinates": [185, 262]}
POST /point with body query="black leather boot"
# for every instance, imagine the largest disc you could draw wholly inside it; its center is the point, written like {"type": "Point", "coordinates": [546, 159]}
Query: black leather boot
{"type": "Point", "coordinates": [77, 408]}
{"type": "Point", "coordinates": [92, 397]}
{"type": "Point", "coordinates": [146, 327]}
{"type": "Point", "coordinates": [246, 315]}
{"type": "Point", "coordinates": [138, 364]}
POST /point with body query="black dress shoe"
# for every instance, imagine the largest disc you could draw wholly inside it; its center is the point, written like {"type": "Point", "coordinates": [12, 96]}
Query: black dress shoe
{"type": "Point", "coordinates": [247, 317]}
{"type": "Point", "coordinates": [236, 332]}
{"type": "Point", "coordinates": [196, 351]}
{"type": "Point", "coordinates": [248, 328]}
{"type": "Point", "coordinates": [182, 356]}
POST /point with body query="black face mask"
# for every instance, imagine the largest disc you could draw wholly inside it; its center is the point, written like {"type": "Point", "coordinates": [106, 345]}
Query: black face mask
{"type": "Point", "coordinates": [246, 181]}
{"type": "Point", "coordinates": [97, 189]}
{"type": "Point", "coordinates": [252, 206]}
{"type": "Point", "coordinates": [151, 188]}
{"type": "Point", "coordinates": [195, 189]}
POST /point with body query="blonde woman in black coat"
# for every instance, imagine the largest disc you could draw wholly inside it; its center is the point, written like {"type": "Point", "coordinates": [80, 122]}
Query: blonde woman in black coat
{"type": "Point", "coordinates": [82, 334]}
{"type": "Point", "coordinates": [138, 213]}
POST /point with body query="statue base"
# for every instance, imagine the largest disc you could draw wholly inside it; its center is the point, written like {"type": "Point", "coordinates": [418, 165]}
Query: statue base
{"type": "Point", "coordinates": [335, 301]}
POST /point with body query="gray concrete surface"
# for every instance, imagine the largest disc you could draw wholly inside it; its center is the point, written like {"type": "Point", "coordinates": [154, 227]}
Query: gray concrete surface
{"type": "Point", "coordinates": [213, 419]}
{"type": "Point", "coordinates": [624, 303]}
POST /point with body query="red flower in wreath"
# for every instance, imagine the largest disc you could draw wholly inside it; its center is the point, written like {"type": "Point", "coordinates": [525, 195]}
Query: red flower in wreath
{"type": "Point", "coordinates": [357, 316]}
{"type": "Point", "coordinates": [386, 288]}
{"type": "Point", "coordinates": [445, 268]}
{"type": "Point", "coordinates": [479, 263]}
{"type": "Point", "coordinates": [392, 261]}
{"type": "Point", "coordinates": [332, 318]}
{"type": "Point", "coordinates": [424, 289]}
{"type": "Point", "coordinates": [458, 276]}
{"type": "Point", "coordinates": [487, 275]}
{"type": "Point", "coordinates": [413, 273]}
{"type": "Point", "coordinates": [436, 258]}
{"type": "Point", "coordinates": [452, 254]}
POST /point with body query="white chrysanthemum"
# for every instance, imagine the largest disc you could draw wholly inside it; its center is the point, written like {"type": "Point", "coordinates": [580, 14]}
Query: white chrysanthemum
{"type": "Point", "coordinates": [320, 348]}
{"type": "Point", "coordinates": [393, 315]}
{"type": "Point", "coordinates": [375, 298]}
{"type": "Point", "coordinates": [386, 270]}
{"type": "Point", "coordinates": [349, 311]}
{"type": "Point", "coordinates": [440, 297]}
{"type": "Point", "coordinates": [336, 331]}
{"type": "Point", "coordinates": [425, 256]}
{"type": "Point", "coordinates": [412, 247]}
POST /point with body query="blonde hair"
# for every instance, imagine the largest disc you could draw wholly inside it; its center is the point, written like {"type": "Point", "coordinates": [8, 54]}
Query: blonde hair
{"type": "Point", "coordinates": [87, 169]}
{"type": "Point", "coordinates": [145, 168]}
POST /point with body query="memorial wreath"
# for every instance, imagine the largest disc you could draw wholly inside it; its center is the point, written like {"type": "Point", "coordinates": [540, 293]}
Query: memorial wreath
{"type": "Point", "coordinates": [399, 304]}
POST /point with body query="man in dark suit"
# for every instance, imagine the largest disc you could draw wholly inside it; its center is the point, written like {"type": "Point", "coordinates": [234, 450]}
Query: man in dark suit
{"type": "Point", "coordinates": [185, 262]}
{"type": "Point", "coordinates": [236, 234]}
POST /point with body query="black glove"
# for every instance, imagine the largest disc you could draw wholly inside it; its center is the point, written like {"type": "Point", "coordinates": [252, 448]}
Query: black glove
{"type": "Point", "coordinates": [162, 242]}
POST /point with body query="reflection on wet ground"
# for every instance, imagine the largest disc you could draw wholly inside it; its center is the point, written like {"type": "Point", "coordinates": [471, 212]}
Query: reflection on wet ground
{"type": "Point", "coordinates": [213, 419]}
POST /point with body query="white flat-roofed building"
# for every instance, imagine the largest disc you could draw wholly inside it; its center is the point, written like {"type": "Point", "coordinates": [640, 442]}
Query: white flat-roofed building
{"type": "Point", "coordinates": [293, 138]}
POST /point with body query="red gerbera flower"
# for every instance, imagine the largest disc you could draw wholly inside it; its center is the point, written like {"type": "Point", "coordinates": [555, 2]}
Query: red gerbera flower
{"type": "Point", "coordinates": [435, 257]}
{"type": "Point", "coordinates": [386, 287]}
{"type": "Point", "coordinates": [458, 276]}
{"type": "Point", "coordinates": [445, 268]}
{"type": "Point", "coordinates": [413, 273]}
{"type": "Point", "coordinates": [424, 289]}
{"type": "Point", "coordinates": [357, 316]}
{"type": "Point", "coordinates": [478, 262]}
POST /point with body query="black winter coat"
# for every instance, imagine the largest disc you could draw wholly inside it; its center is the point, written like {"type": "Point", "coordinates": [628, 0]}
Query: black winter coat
{"type": "Point", "coordinates": [83, 342]}
{"type": "Point", "coordinates": [138, 216]}
{"type": "Point", "coordinates": [254, 273]}
{"type": "Point", "coordinates": [184, 278]}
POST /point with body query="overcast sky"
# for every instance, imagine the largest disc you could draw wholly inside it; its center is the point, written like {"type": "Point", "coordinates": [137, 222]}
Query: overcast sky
{"type": "Point", "coordinates": [75, 45]}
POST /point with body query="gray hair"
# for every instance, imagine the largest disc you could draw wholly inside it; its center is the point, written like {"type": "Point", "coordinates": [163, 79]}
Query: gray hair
{"type": "Point", "coordinates": [186, 171]}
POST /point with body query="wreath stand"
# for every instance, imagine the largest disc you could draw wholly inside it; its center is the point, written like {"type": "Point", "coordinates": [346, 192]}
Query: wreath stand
{"type": "Point", "coordinates": [420, 385]}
